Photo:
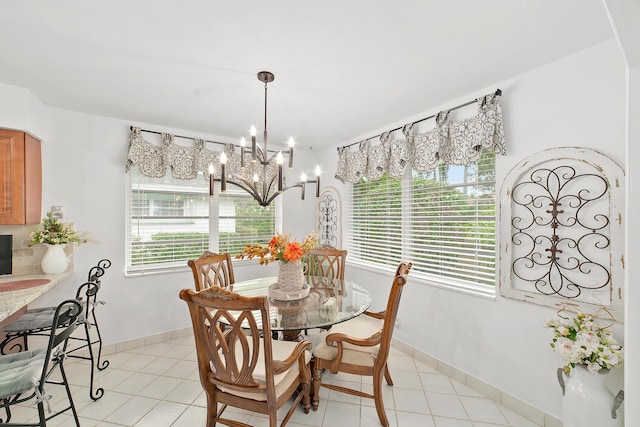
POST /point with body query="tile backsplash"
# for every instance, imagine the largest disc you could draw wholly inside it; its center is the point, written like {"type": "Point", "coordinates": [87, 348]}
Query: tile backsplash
{"type": "Point", "coordinates": [27, 259]}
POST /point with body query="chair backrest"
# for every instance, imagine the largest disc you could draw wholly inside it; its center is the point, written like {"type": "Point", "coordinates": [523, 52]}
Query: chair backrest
{"type": "Point", "coordinates": [326, 262]}
{"type": "Point", "coordinates": [63, 325]}
{"type": "Point", "coordinates": [212, 270]}
{"type": "Point", "coordinates": [391, 311]}
{"type": "Point", "coordinates": [228, 357]}
{"type": "Point", "coordinates": [98, 270]}
{"type": "Point", "coordinates": [87, 292]}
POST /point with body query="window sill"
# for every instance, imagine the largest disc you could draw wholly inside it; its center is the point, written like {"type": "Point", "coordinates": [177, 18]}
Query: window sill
{"type": "Point", "coordinates": [480, 291]}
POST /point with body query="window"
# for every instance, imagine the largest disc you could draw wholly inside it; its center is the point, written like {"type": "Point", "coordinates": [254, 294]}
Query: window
{"type": "Point", "coordinates": [171, 221]}
{"type": "Point", "coordinates": [444, 222]}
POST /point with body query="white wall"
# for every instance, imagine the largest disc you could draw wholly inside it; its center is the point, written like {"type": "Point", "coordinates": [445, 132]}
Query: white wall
{"type": "Point", "coordinates": [624, 17]}
{"type": "Point", "coordinates": [577, 101]}
{"type": "Point", "coordinates": [83, 170]}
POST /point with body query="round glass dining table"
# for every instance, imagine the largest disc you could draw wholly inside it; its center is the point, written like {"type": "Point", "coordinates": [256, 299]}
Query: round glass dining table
{"type": "Point", "coordinates": [328, 302]}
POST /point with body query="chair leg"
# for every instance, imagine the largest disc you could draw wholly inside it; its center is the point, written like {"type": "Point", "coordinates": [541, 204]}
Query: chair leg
{"type": "Point", "coordinates": [66, 387]}
{"type": "Point", "coordinates": [306, 398]}
{"type": "Point", "coordinates": [105, 363]}
{"type": "Point", "coordinates": [41, 415]}
{"type": "Point", "coordinates": [317, 381]}
{"type": "Point", "coordinates": [387, 375]}
{"type": "Point", "coordinates": [212, 411]}
{"type": "Point", "coordinates": [99, 391]}
{"type": "Point", "coordinates": [7, 411]}
{"type": "Point", "coordinates": [377, 397]}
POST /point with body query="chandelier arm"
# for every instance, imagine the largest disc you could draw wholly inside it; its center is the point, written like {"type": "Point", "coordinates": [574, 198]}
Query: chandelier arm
{"type": "Point", "coordinates": [297, 184]}
{"type": "Point", "coordinates": [246, 187]}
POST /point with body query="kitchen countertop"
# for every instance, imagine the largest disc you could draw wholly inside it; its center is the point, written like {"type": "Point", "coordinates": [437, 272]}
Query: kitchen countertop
{"type": "Point", "coordinates": [12, 301]}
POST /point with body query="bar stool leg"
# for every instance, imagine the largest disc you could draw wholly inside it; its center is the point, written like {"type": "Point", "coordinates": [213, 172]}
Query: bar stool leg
{"type": "Point", "coordinates": [99, 391]}
{"type": "Point", "coordinates": [101, 365]}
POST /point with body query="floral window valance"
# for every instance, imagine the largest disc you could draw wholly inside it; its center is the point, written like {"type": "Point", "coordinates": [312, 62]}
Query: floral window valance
{"type": "Point", "coordinates": [453, 142]}
{"type": "Point", "coordinates": [184, 162]}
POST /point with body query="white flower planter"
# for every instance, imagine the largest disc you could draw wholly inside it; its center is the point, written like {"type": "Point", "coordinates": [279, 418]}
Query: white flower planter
{"type": "Point", "coordinates": [55, 260]}
{"type": "Point", "coordinates": [588, 401]}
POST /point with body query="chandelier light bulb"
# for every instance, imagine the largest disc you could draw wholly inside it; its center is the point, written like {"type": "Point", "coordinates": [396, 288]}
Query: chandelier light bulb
{"type": "Point", "coordinates": [223, 158]}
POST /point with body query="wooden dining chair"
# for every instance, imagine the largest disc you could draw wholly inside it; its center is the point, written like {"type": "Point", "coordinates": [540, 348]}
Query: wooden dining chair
{"type": "Point", "coordinates": [212, 269]}
{"type": "Point", "coordinates": [360, 346]}
{"type": "Point", "coordinates": [243, 370]}
{"type": "Point", "coordinates": [326, 262]}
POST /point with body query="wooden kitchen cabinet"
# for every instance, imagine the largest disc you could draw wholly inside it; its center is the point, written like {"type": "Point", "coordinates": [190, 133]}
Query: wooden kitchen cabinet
{"type": "Point", "coordinates": [20, 178]}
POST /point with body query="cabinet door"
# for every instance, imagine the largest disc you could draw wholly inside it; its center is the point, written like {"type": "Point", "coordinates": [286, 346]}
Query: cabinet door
{"type": "Point", "coordinates": [20, 178]}
{"type": "Point", "coordinates": [12, 185]}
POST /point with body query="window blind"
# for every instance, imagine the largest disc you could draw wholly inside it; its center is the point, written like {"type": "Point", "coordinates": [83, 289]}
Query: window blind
{"type": "Point", "coordinates": [171, 221]}
{"type": "Point", "coordinates": [442, 221]}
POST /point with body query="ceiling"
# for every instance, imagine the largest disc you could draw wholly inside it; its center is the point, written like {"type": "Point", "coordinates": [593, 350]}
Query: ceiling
{"type": "Point", "coordinates": [342, 68]}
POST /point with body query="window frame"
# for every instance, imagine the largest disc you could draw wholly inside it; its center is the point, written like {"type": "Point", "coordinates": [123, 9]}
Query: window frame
{"type": "Point", "coordinates": [213, 214]}
{"type": "Point", "coordinates": [482, 290]}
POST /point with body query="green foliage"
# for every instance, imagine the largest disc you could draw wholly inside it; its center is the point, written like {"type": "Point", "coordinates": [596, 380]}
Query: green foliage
{"type": "Point", "coordinates": [53, 232]}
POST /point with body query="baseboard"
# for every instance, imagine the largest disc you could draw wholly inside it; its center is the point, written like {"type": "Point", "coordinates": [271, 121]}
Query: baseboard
{"type": "Point", "coordinates": [148, 340]}
{"type": "Point", "coordinates": [505, 399]}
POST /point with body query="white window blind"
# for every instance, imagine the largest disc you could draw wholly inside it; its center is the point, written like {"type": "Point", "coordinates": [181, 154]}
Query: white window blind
{"type": "Point", "coordinates": [443, 222]}
{"type": "Point", "coordinates": [171, 221]}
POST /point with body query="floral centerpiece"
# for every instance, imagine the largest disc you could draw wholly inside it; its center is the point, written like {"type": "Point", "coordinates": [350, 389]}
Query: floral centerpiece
{"type": "Point", "coordinates": [53, 232]}
{"type": "Point", "coordinates": [290, 253]}
{"type": "Point", "coordinates": [55, 236]}
{"type": "Point", "coordinates": [582, 341]}
{"type": "Point", "coordinates": [280, 248]}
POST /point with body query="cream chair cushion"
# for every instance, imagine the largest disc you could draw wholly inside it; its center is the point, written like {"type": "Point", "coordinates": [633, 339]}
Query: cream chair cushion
{"type": "Point", "coordinates": [362, 326]}
{"type": "Point", "coordinates": [359, 327]}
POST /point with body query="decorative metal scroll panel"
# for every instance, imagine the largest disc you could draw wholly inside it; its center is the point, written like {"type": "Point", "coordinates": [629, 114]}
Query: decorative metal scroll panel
{"type": "Point", "coordinates": [562, 230]}
{"type": "Point", "coordinates": [560, 224]}
{"type": "Point", "coordinates": [328, 216]}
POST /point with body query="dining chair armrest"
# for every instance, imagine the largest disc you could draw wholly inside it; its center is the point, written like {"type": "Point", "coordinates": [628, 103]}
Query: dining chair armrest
{"type": "Point", "coordinates": [297, 355]}
{"type": "Point", "coordinates": [339, 339]}
{"type": "Point", "coordinates": [370, 341]}
{"type": "Point", "coordinates": [378, 315]}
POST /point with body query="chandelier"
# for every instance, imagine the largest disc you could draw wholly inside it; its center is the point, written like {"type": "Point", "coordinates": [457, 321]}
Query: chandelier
{"type": "Point", "coordinates": [261, 175]}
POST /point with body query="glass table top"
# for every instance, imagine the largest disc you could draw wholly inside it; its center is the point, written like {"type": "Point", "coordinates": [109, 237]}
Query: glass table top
{"type": "Point", "coordinates": [329, 301]}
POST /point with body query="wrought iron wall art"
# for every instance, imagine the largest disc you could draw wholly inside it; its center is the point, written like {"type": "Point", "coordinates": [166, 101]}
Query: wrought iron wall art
{"type": "Point", "coordinates": [562, 239]}
{"type": "Point", "coordinates": [328, 217]}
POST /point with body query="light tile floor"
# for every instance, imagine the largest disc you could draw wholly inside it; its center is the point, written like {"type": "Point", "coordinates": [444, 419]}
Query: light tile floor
{"type": "Point", "coordinates": [158, 386]}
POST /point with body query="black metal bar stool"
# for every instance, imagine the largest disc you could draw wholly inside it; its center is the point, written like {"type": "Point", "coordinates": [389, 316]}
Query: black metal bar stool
{"type": "Point", "coordinates": [23, 375]}
{"type": "Point", "coordinates": [37, 322]}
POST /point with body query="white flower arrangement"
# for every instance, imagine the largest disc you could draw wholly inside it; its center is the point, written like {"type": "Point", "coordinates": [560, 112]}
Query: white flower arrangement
{"type": "Point", "coordinates": [581, 341]}
{"type": "Point", "coordinates": [53, 232]}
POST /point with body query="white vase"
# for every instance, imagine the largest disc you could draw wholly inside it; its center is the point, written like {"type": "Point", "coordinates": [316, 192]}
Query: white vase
{"type": "Point", "coordinates": [588, 401]}
{"type": "Point", "coordinates": [55, 260]}
{"type": "Point", "coordinates": [290, 276]}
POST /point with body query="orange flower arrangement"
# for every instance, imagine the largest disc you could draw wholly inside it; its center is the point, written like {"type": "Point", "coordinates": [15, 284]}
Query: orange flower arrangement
{"type": "Point", "coordinates": [280, 248]}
